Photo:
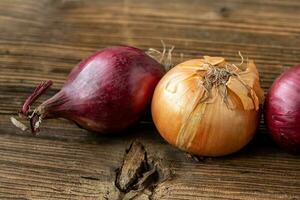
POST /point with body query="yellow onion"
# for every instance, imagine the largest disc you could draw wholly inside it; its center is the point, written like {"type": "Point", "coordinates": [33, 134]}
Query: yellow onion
{"type": "Point", "coordinates": [208, 107]}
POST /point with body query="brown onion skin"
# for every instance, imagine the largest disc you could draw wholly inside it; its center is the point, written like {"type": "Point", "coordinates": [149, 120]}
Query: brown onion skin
{"type": "Point", "coordinates": [238, 126]}
{"type": "Point", "coordinates": [282, 110]}
{"type": "Point", "coordinates": [108, 91]}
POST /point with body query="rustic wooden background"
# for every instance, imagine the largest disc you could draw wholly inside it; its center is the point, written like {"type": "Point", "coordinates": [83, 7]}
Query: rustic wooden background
{"type": "Point", "coordinates": [44, 39]}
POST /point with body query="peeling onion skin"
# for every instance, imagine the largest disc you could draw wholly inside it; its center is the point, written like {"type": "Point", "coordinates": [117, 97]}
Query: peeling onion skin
{"type": "Point", "coordinates": [108, 91]}
{"type": "Point", "coordinates": [282, 110]}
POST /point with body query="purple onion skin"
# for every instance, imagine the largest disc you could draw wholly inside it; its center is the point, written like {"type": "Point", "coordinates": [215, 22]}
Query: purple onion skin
{"type": "Point", "coordinates": [282, 110]}
{"type": "Point", "coordinates": [108, 91]}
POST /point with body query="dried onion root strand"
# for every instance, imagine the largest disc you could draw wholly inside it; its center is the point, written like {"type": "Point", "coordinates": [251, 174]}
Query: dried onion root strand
{"type": "Point", "coordinates": [217, 76]}
{"type": "Point", "coordinates": [164, 57]}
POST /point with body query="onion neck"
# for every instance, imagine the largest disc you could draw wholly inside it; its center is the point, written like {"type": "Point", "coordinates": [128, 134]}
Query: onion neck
{"type": "Point", "coordinates": [39, 90]}
{"type": "Point", "coordinates": [216, 76]}
{"type": "Point", "coordinates": [51, 108]}
{"type": "Point", "coordinates": [35, 117]}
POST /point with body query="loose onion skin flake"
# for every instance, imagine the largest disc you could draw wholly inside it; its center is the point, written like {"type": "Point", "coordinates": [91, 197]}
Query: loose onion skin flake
{"type": "Point", "coordinates": [208, 107]}
{"type": "Point", "coordinates": [107, 92]}
{"type": "Point", "coordinates": [282, 110]}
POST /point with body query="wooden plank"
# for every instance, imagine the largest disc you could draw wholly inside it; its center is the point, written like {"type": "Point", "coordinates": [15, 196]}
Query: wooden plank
{"type": "Point", "coordinates": [43, 167]}
{"type": "Point", "coordinates": [41, 40]}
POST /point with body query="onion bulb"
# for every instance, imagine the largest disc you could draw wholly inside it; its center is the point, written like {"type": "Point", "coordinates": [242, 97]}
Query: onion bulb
{"type": "Point", "coordinates": [282, 110]}
{"type": "Point", "coordinates": [208, 107]}
{"type": "Point", "coordinates": [106, 92]}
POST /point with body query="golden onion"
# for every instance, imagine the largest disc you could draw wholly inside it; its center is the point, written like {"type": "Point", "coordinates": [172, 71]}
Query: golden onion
{"type": "Point", "coordinates": [208, 107]}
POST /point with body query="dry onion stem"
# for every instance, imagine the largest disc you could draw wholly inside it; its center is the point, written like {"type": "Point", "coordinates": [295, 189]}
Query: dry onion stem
{"type": "Point", "coordinates": [18, 124]}
{"type": "Point", "coordinates": [214, 105]}
{"type": "Point", "coordinates": [164, 57]}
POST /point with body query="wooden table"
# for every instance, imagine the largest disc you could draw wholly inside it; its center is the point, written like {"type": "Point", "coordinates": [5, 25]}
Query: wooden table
{"type": "Point", "coordinates": [44, 39]}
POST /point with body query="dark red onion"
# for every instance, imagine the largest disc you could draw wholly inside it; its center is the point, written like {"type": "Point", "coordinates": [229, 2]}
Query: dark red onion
{"type": "Point", "coordinates": [107, 92]}
{"type": "Point", "coordinates": [282, 110]}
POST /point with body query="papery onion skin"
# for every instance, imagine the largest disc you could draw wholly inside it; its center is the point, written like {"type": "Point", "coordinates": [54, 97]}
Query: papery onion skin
{"type": "Point", "coordinates": [282, 110]}
{"type": "Point", "coordinates": [107, 92]}
{"type": "Point", "coordinates": [214, 133]}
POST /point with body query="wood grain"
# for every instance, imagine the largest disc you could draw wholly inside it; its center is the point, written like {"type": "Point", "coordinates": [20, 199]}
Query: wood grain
{"type": "Point", "coordinates": [41, 40]}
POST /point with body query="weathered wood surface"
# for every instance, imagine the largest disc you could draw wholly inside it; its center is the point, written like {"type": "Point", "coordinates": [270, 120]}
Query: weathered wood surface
{"type": "Point", "coordinates": [44, 39]}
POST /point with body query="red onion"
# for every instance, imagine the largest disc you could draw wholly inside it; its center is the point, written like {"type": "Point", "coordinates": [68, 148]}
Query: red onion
{"type": "Point", "coordinates": [107, 92]}
{"type": "Point", "coordinates": [282, 110]}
